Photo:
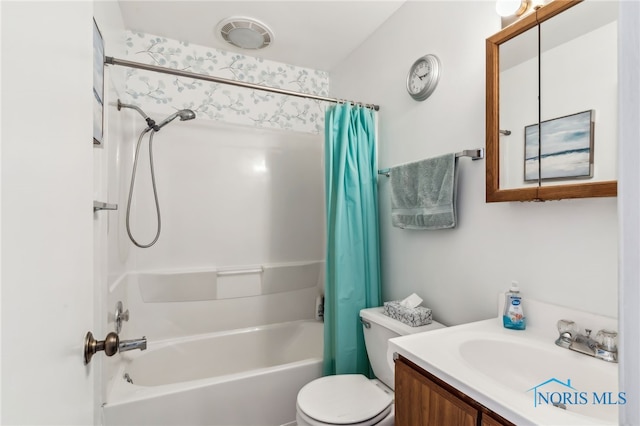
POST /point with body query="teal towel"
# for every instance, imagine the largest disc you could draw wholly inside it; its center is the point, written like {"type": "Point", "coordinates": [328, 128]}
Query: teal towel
{"type": "Point", "coordinates": [423, 194]}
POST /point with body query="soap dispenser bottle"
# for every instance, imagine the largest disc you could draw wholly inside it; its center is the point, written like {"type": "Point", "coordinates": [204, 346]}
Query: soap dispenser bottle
{"type": "Point", "coordinates": [513, 316]}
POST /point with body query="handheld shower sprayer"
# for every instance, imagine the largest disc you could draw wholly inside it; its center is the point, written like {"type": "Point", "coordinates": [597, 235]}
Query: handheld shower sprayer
{"type": "Point", "coordinates": [183, 114]}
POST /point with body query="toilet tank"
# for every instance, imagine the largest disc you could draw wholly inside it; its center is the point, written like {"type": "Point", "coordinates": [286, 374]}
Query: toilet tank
{"type": "Point", "coordinates": [378, 329]}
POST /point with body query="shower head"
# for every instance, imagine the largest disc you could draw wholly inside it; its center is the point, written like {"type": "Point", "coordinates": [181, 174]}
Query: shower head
{"type": "Point", "coordinates": [121, 105]}
{"type": "Point", "coordinates": [183, 114]}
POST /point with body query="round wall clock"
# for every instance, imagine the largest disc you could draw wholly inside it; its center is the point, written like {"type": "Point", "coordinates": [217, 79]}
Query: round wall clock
{"type": "Point", "coordinates": [423, 77]}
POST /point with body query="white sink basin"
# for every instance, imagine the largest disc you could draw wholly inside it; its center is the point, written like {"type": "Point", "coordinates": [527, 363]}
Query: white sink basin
{"type": "Point", "coordinates": [517, 374]}
{"type": "Point", "coordinates": [521, 364]}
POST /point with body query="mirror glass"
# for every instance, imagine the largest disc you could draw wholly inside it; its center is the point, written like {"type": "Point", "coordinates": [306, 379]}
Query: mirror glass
{"type": "Point", "coordinates": [553, 73]}
{"type": "Point", "coordinates": [579, 94]}
{"type": "Point", "coordinates": [518, 104]}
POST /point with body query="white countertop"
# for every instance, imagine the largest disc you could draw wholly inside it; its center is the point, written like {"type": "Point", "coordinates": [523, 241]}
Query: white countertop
{"type": "Point", "coordinates": [503, 369]}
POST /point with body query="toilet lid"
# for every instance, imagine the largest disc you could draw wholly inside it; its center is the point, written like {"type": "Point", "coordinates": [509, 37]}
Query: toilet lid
{"type": "Point", "coordinates": [343, 399]}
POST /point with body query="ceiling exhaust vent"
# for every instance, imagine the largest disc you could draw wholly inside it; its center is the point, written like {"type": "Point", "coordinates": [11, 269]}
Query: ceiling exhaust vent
{"type": "Point", "coordinates": [245, 33]}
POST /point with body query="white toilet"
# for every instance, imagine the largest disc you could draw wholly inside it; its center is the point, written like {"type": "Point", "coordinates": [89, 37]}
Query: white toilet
{"type": "Point", "coordinates": [353, 399]}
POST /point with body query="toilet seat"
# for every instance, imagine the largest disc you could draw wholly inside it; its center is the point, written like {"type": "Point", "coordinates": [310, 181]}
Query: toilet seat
{"type": "Point", "coordinates": [351, 399]}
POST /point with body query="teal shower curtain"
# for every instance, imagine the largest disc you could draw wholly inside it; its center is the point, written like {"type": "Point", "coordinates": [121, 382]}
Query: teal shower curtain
{"type": "Point", "coordinates": [352, 279]}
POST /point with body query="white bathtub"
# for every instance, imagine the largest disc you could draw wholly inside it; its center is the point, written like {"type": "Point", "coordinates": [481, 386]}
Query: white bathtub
{"type": "Point", "coordinates": [241, 377]}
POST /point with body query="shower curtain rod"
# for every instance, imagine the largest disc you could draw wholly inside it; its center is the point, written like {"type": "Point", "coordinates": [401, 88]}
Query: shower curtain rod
{"type": "Point", "coordinates": [114, 61]}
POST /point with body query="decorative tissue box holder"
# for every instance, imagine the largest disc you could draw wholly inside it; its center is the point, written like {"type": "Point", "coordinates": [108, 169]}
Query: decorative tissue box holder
{"type": "Point", "coordinates": [414, 317]}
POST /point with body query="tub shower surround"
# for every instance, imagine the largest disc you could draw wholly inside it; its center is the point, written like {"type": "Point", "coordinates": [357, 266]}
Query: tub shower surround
{"type": "Point", "coordinates": [224, 102]}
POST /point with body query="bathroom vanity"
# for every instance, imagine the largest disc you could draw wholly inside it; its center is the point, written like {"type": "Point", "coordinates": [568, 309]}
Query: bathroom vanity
{"type": "Point", "coordinates": [483, 374]}
{"type": "Point", "coordinates": [423, 399]}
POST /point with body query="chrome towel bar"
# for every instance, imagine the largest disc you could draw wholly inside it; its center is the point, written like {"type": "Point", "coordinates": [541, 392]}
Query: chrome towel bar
{"type": "Point", "coordinates": [475, 154]}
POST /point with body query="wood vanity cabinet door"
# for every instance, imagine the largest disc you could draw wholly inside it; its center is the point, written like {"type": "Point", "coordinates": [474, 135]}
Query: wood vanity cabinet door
{"type": "Point", "coordinates": [420, 401]}
{"type": "Point", "coordinates": [490, 421]}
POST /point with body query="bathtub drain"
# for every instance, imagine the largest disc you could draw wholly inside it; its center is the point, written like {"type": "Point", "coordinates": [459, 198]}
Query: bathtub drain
{"type": "Point", "coordinates": [127, 378]}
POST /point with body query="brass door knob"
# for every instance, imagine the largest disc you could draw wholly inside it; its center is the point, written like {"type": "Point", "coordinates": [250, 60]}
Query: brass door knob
{"type": "Point", "coordinates": [109, 345]}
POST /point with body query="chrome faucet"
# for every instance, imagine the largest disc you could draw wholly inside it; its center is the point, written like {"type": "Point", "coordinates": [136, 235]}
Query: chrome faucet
{"type": "Point", "coordinates": [602, 347]}
{"type": "Point", "coordinates": [129, 345]}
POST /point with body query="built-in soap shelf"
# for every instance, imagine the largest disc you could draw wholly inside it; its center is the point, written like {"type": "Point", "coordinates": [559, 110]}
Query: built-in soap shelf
{"type": "Point", "coordinates": [228, 282]}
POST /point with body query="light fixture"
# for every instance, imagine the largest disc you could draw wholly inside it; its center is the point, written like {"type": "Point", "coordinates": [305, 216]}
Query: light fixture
{"type": "Point", "coordinates": [506, 8]}
{"type": "Point", "coordinates": [245, 33]}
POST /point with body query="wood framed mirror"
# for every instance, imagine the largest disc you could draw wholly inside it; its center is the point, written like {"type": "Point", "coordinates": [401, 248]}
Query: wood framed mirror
{"type": "Point", "coordinates": [558, 53]}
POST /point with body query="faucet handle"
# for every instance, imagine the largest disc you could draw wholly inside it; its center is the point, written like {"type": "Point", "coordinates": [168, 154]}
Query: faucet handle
{"type": "Point", "coordinates": [606, 348]}
{"type": "Point", "coordinates": [567, 330]}
{"type": "Point", "coordinates": [567, 326]}
{"type": "Point", "coordinates": [607, 340]}
{"type": "Point", "coordinates": [119, 316]}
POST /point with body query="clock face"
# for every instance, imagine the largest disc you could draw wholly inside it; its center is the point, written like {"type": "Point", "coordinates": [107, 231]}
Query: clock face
{"type": "Point", "coordinates": [420, 75]}
{"type": "Point", "coordinates": [423, 77]}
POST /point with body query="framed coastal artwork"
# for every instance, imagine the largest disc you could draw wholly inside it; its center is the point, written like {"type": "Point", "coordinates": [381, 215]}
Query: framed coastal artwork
{"type": "Point", "coordinates": [98, 86]}
{"type": "Point", "coordinates": [566, 151]}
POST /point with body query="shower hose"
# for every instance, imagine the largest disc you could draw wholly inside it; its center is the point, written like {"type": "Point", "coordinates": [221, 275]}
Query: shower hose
{"type": "Point", "coordinates": [153, 184]}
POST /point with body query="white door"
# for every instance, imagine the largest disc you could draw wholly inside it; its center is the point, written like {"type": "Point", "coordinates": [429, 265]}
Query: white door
{"type": "Point", "coordinates": [47, 221]}
{"type": "Point", "coordinates": [629, 207]}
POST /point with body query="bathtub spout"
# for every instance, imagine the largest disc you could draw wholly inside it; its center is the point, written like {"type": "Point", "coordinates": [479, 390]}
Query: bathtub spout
{"type": "Point", "coordinates": [129, 345]}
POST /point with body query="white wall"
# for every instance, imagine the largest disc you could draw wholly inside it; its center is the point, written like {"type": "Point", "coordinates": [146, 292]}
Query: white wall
{"type": "Point", "coordinates": [564, 252]}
